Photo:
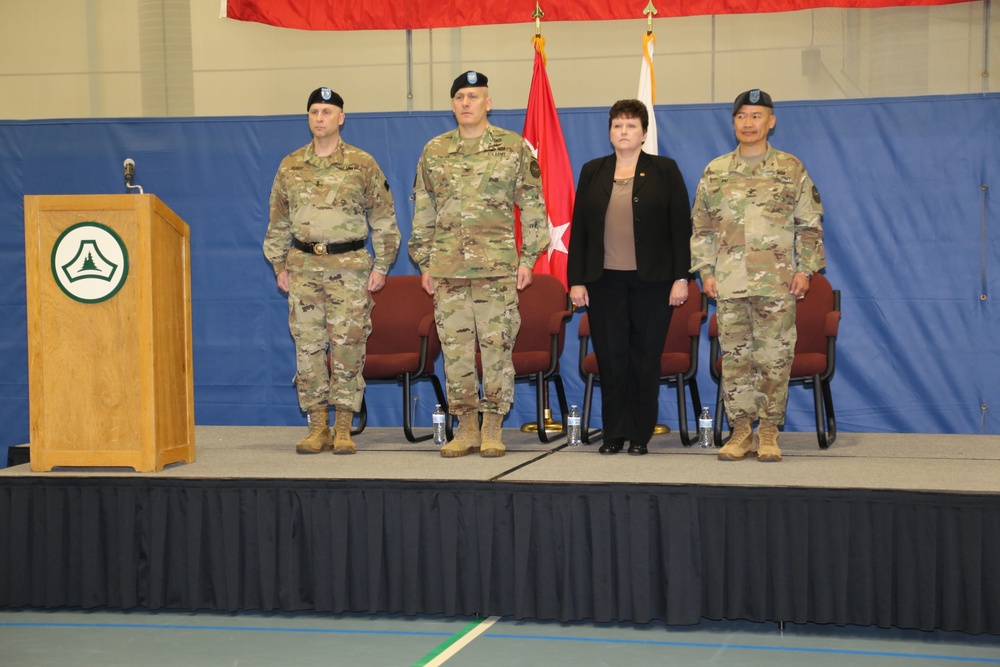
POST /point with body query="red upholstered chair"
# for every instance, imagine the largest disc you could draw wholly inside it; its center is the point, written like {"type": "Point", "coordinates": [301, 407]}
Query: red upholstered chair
{"type": "Point", "coordinates": [544, 308]}
{"type": "Point", "coordinates": [403, 345]}
{"type": "Point", "coordinates": [817, 320]}
{"type": "Point", "coordinates": [678, 363]}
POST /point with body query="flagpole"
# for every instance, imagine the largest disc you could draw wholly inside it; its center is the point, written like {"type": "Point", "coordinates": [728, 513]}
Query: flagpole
{"type": "Point", "coordinates": [648, 96]}
{"type": "Point", "coordinates": [550, 425]}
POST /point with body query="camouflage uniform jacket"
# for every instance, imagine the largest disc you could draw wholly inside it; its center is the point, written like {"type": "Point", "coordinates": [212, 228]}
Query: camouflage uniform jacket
{"type": "Point", "coordinates": [753, 229]}
{"type": "Point", "coordinates": [330, 199]}
{"type": "Point", "coordinates": [463, 219]}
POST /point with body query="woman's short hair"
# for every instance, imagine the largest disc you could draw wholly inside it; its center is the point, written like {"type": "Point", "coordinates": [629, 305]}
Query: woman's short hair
{"type": "Point", "coordinates": [629, 109]}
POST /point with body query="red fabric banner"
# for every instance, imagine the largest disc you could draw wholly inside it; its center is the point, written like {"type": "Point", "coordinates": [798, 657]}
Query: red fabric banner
{"type": "Point", "coordinates": [420, 14]}
{"type": "Point", "coordinates": [544, 134]}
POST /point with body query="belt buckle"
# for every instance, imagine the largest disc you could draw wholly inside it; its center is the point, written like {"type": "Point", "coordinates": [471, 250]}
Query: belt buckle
{"type": "Point", "coordinates": [319, 248]}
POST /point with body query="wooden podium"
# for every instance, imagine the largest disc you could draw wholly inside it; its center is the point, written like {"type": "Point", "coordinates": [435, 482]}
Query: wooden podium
{"type": "Point", "coordinates": [109, 332]}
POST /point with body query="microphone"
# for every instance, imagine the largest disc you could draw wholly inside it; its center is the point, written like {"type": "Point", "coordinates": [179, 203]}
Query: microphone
{"type": "Point", "coordinates": [129, 171]}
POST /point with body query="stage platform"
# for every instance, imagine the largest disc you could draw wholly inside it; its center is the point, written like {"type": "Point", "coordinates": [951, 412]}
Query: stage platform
{"type": "Point", "coordinates": [894, 530]}
{"type": "Point", "coordinates": [886, 461]}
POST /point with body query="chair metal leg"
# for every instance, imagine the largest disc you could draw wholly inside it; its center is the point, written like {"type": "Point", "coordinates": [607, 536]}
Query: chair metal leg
{"type": "Point", "coordinates": [531, 427]}
{"type": "Point", "coordinates": [407, 421]}
{"type": "Point", "coordinates": [588, 399]}
{"type": "Point", "coordinates": [407, 381]}
{"type": "Point", "coordinates": [695, 397]}
{"type": "Point", "coordinates": [719, 415]}
{"type": "Point", "coordinates": [823, 403]}
{"type": "Point", "coordinates": [831, 416]}
{"type": "Point", "coordinates": [563, 404]}
{"type": "Point", "coordinates": [541, 406]}
{"type": "Point", "coordinates": [682, 423]}
{"type": "Point", "coordinates": [362, 416]}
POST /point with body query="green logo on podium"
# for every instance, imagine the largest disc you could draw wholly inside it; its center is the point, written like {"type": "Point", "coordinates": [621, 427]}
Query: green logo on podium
{"type": "Point", "coordinates": [89, 262]}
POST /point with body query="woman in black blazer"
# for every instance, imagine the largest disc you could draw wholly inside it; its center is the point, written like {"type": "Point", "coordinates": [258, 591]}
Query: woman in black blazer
{"type": "Point", "coordinates": [629, 255]}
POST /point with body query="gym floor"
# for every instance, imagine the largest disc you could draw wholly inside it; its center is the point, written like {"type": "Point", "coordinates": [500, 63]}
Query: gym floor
{"type": "Point", "coordinates": [110, 638]}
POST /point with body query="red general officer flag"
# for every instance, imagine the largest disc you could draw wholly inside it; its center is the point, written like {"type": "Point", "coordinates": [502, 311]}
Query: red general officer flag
{"type": "Point", "coordinates": [544, 134]}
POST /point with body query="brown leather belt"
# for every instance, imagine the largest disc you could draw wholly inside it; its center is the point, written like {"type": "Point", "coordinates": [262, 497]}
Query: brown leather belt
{"type": "Point", "coordinates": [328, 248]}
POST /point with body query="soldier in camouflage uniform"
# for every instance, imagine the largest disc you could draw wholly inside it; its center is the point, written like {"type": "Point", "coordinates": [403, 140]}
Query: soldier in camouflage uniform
{"type": "Point", "coordinates": [757, 240]}
{"type": "Point", "coordinates": [325, 197]}
{"type": "Point", "coordinates": [468, 182]}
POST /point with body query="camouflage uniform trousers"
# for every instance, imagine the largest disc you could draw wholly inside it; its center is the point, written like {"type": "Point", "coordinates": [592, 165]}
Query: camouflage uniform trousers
{"type": "Point", "coordinates": [330, 309]}
{"type": "Point", "coordinates": [483, 309]}
{"type": "Point", "coordinates": [757, 336]}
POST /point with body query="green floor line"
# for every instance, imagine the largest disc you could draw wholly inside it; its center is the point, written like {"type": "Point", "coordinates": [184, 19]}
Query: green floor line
{"type": "Point", "coordinates": [448, 643]}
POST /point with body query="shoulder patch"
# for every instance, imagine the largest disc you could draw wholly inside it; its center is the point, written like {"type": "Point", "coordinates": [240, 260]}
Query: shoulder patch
{"type": "Point", "coordinates": [816, 195]}
{"type": "Point", "coordinates": [536, 171]}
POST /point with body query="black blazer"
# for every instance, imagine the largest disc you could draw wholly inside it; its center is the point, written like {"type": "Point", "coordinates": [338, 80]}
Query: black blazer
{"type": "Point", "coordinates": [661, 220]}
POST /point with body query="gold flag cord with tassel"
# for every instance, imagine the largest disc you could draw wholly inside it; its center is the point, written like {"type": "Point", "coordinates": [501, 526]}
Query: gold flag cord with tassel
{"type": "Point", "coordinates": [648, 38]}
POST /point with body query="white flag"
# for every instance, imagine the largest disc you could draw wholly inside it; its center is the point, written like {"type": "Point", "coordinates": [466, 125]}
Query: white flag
{"type": "Point", "coordinates": [647, 91]}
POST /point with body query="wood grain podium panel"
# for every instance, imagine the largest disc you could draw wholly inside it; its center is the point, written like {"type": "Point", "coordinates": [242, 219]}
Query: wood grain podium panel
{"type": "Point", "coordinates": [110, 382]}
{"type": "Point", "coordinates": [170, 263]}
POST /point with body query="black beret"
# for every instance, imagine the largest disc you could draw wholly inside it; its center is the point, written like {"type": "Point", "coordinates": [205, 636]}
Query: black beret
{"type": "Point", "coordinates": [755, 97]}
{"type": "Point", "coordinates": [468, 79]}
{"type": "Point", "coordinates": [324, 96]}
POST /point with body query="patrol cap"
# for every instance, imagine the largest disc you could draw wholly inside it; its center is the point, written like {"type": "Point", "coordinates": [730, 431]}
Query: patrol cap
{"type": "Point", "coordinates": [324, 96]}
{"type": "Point", "coordinates": [470, 79]}
{"type": "Point", "coordinates": [755, 97]}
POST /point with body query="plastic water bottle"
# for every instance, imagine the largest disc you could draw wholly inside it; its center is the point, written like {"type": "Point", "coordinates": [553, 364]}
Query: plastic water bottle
{"type": "Point", "coordinates": [573, 426]}
{"type": "Point", "coordinates": [438, 418]}
{"type": "Point", "coordinates": [705, 428]}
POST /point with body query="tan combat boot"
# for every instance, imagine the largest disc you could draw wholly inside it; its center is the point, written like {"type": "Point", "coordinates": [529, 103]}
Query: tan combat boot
{"type": "Point", "coordinates": [740, 443]}
{"type": "Point", "coordinates": [767, 435]}
{"type": "Point", "coordinates": [342, 443]}
{"type": "Point", "coordinates": [492, 427]}
{"type": "Point", "coordinates": [319, 437]}
{"type": "Point", "coordinates": [467, 438]}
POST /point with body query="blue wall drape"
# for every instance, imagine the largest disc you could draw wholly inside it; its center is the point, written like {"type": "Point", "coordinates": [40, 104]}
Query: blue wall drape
{"type": "Point", "coordinates": [911, 222]}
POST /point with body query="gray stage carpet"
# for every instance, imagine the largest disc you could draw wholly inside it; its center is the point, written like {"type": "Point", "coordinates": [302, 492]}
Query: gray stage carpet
{"type": "Point", "coordinates": [889, 461]}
